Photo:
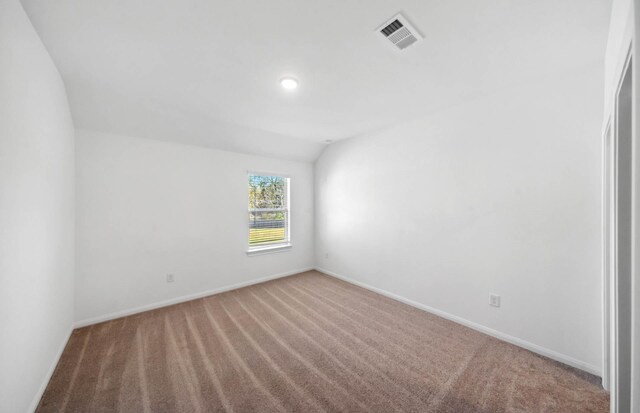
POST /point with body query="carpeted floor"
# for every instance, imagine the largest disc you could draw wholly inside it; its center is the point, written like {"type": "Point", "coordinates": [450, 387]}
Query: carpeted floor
{"type": "Point", "coordinates": [306, 343]}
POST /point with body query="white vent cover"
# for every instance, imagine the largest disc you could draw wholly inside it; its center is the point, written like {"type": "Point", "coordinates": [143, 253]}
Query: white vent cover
{"type": "Point", "coordinates": [399, 32]}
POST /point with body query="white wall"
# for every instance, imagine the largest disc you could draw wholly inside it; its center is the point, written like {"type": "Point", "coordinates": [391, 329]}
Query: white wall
{"type": "Point", "coordinates": [500, 195]}
{"type": "Point", "coordinates": [148, 208]}
{"type": "Point", "coordinates": [36, 213]}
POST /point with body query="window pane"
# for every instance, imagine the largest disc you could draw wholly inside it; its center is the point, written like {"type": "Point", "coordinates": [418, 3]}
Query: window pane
{"type": "Point", "coordinates": [267, 227]}
{"type": "Point", "coordinates": [267, 191]}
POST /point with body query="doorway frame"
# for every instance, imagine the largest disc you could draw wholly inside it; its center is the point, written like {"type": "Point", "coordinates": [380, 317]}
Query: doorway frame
{"type": "Point", "coordinates": [608, 237]}
{"type": "Point", "coordinates": [610, 205]}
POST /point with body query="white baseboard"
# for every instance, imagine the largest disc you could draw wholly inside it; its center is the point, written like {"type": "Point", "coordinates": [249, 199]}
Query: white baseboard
{"type": "Point", "coordinates": [181, 299]}
{"type": "Point", "coordinates": [562, 358]}
{"type": "Point", "coordinates": [47, 377]}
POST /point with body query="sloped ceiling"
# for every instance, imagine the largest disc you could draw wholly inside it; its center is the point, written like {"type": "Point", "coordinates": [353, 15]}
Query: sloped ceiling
{"type": "Point", "coordinates": [207, 72]}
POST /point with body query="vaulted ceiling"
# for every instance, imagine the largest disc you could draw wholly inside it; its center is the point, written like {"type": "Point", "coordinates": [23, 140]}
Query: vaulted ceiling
{"type": "Point", "coordinates": [207, 71]}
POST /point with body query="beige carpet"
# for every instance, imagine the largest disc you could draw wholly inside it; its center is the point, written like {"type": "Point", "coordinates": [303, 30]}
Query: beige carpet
{"type": "Point", "coordinates": [306, 343]}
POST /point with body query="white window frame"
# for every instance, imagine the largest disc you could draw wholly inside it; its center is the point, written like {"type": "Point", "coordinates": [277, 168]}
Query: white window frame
{"type": "Point", "coordinates": [276, 247]}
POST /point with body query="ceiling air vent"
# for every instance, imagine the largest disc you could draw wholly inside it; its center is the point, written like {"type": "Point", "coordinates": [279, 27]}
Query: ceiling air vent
{"type": "Point", "coordinates": [399, 32]}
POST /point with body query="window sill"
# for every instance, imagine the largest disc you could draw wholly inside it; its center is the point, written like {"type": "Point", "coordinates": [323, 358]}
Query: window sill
{"type": "Point", "coordinates": [269, 249]}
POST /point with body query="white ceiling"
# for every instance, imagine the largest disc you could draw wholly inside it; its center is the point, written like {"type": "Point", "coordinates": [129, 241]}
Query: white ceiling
{"type": "Point", "coordinates": [207, 71]}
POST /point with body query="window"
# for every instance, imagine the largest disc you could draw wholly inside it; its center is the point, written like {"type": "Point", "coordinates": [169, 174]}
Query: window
{"type": "Point", "coordinates": [268, 213]}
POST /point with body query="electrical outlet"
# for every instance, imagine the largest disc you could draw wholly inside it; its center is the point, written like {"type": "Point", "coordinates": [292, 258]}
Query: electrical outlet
{"type": "Point", "coordinates": [494, 300]}
{"type": "Point", "coordinates": [169, 278]}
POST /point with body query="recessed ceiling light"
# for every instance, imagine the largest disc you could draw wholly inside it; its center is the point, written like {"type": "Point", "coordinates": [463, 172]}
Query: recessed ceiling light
{"type": "Point", "coordinates": [289, 83]}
